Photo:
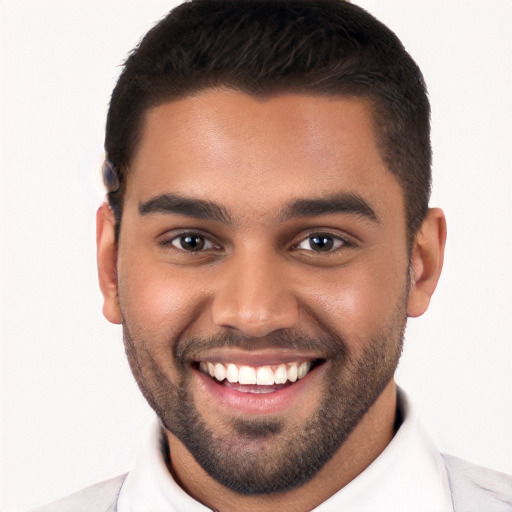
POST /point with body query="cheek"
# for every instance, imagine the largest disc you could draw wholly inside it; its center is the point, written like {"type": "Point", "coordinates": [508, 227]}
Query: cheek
{"type": "Point", "coordinates": [156, 299]}
{"type": "Point", "coordinates": [358, 305]}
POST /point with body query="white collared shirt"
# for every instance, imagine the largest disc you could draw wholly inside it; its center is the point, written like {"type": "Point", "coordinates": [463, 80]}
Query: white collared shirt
{"type": "Point", "coordinates": [409, 475]}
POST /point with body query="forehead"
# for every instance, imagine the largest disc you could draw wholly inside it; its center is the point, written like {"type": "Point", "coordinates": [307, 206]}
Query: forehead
{"type": "Point", "coordinates": [250, 152]}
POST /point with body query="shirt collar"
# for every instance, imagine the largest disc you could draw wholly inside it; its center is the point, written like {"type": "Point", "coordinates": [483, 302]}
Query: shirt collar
{"type": "Point", "coordinates": [408, 475]}
{"type": "Point", "coordinates": [149, 486]}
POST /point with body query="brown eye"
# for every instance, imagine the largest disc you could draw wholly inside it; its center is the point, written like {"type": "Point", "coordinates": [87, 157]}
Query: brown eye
{"type": "Point", "coordinates": [191, 243]}
{"type": "Point", "coordinates": [321, 242]}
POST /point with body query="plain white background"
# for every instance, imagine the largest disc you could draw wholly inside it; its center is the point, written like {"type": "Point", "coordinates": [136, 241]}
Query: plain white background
{"type": "Point", "coordinates": [71, 413]}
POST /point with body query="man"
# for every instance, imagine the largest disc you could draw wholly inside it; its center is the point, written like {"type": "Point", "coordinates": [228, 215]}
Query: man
{"type": "Point", "coordinates": [267, 235]}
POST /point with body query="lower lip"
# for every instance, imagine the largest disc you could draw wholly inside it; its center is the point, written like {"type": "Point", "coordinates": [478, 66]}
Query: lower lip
{"type": "Point", "coordinates": [260, 403]}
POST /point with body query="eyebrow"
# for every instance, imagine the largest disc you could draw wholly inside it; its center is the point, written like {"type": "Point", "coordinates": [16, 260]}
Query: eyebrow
{"type": "Point", "coordinates": [190, 207]}
{"type": "Point", "coordinates": [178, 204]}
{"type": "Point", "coordinates": [338, 203]}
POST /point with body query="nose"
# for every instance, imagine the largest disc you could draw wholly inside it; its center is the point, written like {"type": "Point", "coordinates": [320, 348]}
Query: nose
{"type": "Point", "coordinates": [253, 296]}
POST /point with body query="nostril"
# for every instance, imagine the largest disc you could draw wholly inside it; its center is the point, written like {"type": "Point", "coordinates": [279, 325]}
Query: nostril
{"type": "Point", "coordinates": [255, 321]}
{"type": "Point", "coordinates": [252, 297]}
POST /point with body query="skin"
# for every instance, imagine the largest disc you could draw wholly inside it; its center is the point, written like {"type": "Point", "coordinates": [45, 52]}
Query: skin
{"type": "Point", "coordinates": [260, 276]}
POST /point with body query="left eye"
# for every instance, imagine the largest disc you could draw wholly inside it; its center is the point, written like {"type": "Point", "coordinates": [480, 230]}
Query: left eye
{"type": "Point", "coordinates": [320, 242]}
{"type": "Point", "coordinates": [192, 242]}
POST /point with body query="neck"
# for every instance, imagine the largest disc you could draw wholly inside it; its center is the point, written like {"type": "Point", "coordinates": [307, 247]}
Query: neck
{"type": "Point", "coordinates": [361, 448]}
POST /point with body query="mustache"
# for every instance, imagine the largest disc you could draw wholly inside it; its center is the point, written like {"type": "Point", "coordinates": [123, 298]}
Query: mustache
{"type": "Point", "coordinates": [326, 344]}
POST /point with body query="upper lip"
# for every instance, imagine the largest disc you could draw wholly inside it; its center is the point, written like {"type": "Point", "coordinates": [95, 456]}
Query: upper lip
{"type": "Point", "coordinates": [265, 357]}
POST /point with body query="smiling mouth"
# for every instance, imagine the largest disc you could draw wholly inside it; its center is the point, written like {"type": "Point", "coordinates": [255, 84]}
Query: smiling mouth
{"type": "Point", "coordinates": [257, 379]}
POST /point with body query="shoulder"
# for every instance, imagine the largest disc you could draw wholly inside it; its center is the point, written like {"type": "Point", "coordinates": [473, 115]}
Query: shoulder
{"type": "Point", "coordinates": [100, 497]}
{"type": "Point", "coordinates": [478, 489]}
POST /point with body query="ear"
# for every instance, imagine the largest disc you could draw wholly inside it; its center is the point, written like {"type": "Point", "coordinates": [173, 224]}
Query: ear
{"type": "Point", "coordinates": [426, 261]}
{"type": "Point", "coordinates": [107, 263]}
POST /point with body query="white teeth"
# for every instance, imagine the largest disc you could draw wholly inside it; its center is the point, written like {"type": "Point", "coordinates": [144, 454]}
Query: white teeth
{"type": "Point", "coordinates": [247, 375]}
{"type": "Point", "coordinates": [280, 375]}
{"type": "Point", "coordinates": [292, 372]}
{"type": "Point", "coordinates": [303, 369]}
{"type": "Point", "coordinates": [220, 372]}
{"type": "Point", "coordinates": [232, 373]}
{"type": "Point", "coordinates": [260, 375]}
{"type": "Point", "coordinates": [265, 376]}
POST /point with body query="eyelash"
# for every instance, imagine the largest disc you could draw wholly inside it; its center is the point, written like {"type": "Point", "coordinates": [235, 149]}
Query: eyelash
{"type": "Point", "coordinates": [338, 241]}
{"type": "Point", "coordinates": [170, 241]}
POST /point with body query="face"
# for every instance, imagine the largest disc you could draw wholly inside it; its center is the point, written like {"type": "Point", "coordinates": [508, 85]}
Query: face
{"type": "Point", "coordinates": [262, 279]}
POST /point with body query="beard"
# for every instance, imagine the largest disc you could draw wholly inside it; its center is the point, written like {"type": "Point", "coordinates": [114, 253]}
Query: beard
{"type": "Point", "coordinates": [270, 455]}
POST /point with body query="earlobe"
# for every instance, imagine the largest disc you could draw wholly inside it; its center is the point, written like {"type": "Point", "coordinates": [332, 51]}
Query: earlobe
{"type": "Point", "coordinates": [426, 261]}
{"type": "Point", "coordinates": [107, 263]}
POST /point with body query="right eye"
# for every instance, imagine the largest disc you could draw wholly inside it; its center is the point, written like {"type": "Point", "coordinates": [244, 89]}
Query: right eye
{"type": "Point", "coordinates": [190, 242]}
